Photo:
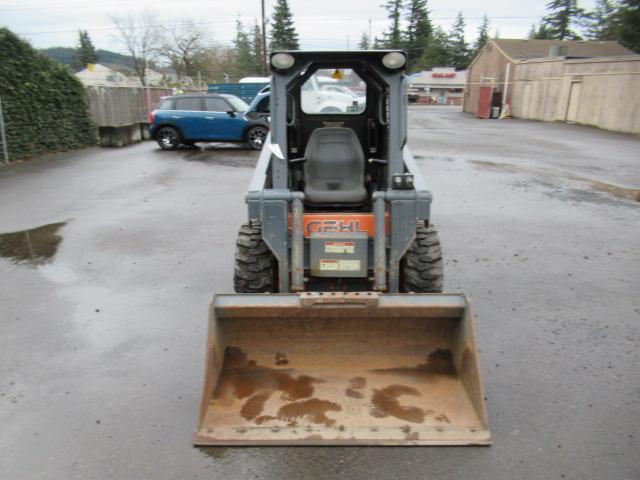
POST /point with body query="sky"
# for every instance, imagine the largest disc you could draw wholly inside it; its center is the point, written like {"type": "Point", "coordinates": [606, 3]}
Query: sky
{"type": "Point", "coordinates": [325, 24]}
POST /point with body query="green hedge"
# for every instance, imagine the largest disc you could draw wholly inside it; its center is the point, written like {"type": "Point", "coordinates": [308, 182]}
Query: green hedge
{"type": "Point", "coordinates": [44, 104]}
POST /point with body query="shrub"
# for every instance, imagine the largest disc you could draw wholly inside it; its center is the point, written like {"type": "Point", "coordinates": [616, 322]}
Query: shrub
{"type": "Point", "coordinates": [44, 104]}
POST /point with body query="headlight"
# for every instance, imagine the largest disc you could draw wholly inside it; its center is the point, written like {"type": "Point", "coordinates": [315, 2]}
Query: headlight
{"type": "Point", "coordinates": [393, 60]}
{"type": "Point", "coordinates": [282, 61]}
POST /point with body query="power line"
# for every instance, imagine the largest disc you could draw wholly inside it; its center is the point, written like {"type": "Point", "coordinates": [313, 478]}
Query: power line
{"type": "Point", "coordinates": [219, 22]}
{"type": "Point", "coordinates": [99, 5]}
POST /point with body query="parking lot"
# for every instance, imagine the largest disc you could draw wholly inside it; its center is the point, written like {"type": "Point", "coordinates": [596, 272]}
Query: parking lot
{"type": "Point", "coordinates": [103, 320]}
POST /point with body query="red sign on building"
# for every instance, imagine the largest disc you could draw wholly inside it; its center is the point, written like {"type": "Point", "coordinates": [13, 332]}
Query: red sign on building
{"type": "Point", "coordinates": [443, 75]}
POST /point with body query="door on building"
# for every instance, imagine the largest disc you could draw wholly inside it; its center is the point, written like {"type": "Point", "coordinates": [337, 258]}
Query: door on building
{"type": "Point", "coordinates": [485, 96]}
{"type": "Point", "coordinates": [574, 102]}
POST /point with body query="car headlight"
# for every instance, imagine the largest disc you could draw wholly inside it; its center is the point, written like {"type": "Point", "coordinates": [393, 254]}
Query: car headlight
{"type": "Point", "coordinates": [282, 61]}
{"type": "Point", "coordinates": [394, 60]}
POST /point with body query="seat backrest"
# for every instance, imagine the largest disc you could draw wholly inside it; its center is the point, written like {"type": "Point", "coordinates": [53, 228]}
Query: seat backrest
{"type": "Point", "coordinates": [334, 161]}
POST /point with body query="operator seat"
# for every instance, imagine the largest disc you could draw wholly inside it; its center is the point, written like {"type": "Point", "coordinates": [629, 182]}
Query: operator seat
{"type": "Point", "coordinates": [334, 170]}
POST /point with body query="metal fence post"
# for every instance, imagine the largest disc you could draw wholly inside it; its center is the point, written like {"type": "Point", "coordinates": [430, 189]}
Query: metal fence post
{"type": "Point", "coordinates": [3, 137]}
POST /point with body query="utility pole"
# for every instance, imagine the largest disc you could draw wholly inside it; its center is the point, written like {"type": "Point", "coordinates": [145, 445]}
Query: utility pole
{"type": "Point", "coordinates": [145, 87]}
{"type": "Point", "coordinates": [264, 42]}
{"type": "Point", "coordinates": [370, 39]}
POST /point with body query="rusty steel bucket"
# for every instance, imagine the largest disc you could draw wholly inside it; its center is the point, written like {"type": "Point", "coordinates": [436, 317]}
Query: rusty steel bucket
{"type": "Point", "coordinates": [342, 369]}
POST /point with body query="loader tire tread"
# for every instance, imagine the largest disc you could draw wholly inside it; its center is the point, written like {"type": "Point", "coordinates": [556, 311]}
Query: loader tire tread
{"type": "Point", "coordinates": [421, 266]}
{"type": "Point", "coordinates": [255, 265]}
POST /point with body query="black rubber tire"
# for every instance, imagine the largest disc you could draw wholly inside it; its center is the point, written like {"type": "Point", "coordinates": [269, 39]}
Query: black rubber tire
{"type": "Point", "coordinates": [256, 137]}
{"type": "Point", "coordinates": [255, 270]}
{"type": "Point", "coordinates": [421, 268]}
{"type": "Point", "coordinates": [168, 138]}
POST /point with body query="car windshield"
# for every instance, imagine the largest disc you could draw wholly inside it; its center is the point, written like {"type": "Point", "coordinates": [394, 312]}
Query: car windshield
{"type": "Point", "coordinates": [238, 104]}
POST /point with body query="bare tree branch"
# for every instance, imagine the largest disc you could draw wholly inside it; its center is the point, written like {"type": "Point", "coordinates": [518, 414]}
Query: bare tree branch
{"type": "Point", "coordinates": [184, 42]}
{"type": "Point", "coordinates": [142, 37]}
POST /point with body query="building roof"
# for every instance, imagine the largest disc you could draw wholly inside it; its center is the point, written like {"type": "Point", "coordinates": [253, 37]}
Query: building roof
{"type": "Point", "coordinates": [117, 67]}
{"type": "Point", "coordinates": [524, 49]}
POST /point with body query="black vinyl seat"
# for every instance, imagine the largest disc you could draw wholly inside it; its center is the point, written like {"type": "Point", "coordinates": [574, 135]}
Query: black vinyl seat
{"type": "Point", "coordinates": [334, 168]}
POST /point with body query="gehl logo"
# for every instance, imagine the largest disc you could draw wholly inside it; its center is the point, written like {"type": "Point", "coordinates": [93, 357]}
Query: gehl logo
{"type": "Point", "coordinates": [333, 226]}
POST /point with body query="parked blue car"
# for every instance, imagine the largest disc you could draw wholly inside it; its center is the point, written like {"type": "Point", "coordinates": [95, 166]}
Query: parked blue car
{"type": "Point", "coordinates": [187, 119]}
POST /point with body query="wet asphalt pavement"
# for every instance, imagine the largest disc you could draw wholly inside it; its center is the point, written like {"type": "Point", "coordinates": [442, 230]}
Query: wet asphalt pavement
{"type": "Point", "coordinates": [103, 306]}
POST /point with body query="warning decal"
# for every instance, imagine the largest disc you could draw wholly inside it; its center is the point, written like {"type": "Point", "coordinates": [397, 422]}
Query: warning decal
{"type": "Point", "coordinates": [340, 265]}
{"type": "Point", "coordinates": [339, 247]}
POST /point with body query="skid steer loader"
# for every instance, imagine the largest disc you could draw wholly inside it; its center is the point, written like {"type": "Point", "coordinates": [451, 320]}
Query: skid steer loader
{"type": "Point", "coordinates": [338, 332]}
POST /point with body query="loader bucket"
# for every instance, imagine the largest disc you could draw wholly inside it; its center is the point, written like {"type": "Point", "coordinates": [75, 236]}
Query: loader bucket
{"type": "Point", "coordinates": [342, 369]}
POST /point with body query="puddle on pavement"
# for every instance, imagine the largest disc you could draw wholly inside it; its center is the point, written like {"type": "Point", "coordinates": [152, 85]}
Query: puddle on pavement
{"type": "Point", "coordinates": [596, 185]}
{"type": "Point", "coordinates": [35, 246]}
{"type": "Point", "coordinates": [621, 192]}
{"type": "Point", "coordinates": [496, 167]}
{"type": "Point", "coordinates": [230, 155]}
{"type": "Point", "coordinates": [440, 158]}
{"type": "Point", "coordinates": [217, 453]}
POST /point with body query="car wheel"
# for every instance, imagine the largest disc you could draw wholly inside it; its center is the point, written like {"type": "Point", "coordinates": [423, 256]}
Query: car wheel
{"type": "Point", "coordinates": [256, 137]}
{"type": "Point", "coordinates": [168, 138]}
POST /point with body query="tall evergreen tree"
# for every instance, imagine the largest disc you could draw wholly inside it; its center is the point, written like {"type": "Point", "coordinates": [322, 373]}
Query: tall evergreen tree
{"type": "Point", "coordinates": [365, 42]}
{"type": "Point", "coordinates": [627, 24]}
{"type": "Point", "coordinates": [418, 30]}
{"type": "Point", "coordinates": [540, 33]}
{"type": "Point", "coordinates": [245, 60]}
{"type": "Point", "coordinates": [438, 51]}
{"type": "Point", "coordinates": [483, 35]}
{"type": "Point", "coordinates": [257, 48]}
{"type": "Point", "coordinates": [458, 46]}
{"type": "Point", "coordinates": [601, 22]}
{"type": "Point", "coordinates": [564, 14]}
{"type": "Point", "coordinates": [85, 53]}
{"type": "Point", "coordinates": [283, 32]}
{"type": "Point", "coordinates": [393, 38]}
